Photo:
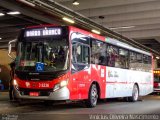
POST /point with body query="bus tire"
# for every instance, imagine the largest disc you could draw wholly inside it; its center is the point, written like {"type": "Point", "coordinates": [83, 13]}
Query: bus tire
{"type": "Point", "coordinates": [92, 96]}
{"type": "Point", "coordinates": [135, 94]}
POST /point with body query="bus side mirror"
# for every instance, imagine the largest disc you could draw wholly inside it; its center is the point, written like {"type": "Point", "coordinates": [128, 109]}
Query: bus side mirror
{"type": "Point", "coordinates": [10, 48]}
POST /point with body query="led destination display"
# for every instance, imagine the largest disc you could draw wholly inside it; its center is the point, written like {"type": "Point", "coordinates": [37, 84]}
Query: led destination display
{"type": "Point", "coordinates": [43, 32]}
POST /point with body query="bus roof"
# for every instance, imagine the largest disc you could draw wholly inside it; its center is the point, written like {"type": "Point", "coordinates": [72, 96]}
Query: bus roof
{"type": "Point", "coordinates": [124, 45]}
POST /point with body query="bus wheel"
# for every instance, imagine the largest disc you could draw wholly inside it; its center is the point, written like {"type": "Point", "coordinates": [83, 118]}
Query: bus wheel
{"type": "Point", "coordinates": [92, 96]}
{"type": "Point", "coordinates": [135, 94]}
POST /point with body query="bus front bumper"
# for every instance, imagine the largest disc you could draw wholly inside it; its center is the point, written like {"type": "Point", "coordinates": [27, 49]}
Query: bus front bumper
{"type": "Point", "coordinates": [61, 94]}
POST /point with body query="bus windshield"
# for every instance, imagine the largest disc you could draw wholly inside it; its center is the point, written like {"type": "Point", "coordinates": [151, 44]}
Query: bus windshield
{"type": "Point", "coordinates": [53, 53]}
{"type": "Point", "coordinates": [157, 78]}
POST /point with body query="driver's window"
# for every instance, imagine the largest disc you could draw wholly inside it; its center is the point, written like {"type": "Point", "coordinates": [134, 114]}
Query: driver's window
{"type": "Point", "coordinates": [80, 57]}
{"type": "Point", "coordinates": [80, 53]}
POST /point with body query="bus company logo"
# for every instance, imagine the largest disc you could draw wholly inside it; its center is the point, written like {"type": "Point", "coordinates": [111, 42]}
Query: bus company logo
{"type": "Point", "coordinates": [28, 84]}
{"type": "Point", "coordinates": [112, 73]}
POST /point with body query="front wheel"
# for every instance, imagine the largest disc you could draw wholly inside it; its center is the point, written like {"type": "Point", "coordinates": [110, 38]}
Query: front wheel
{"type": "Point", "coordinates": [135, 94]}
{"type": "Point", "coordinates": [92, 96]}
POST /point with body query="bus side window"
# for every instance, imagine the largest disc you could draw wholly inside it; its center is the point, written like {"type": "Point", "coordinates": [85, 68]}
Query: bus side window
{"type": "Point", "coordinates": [123, 58]}
{"type": "Point", "coordinates": [139, 62]}
{"type": "Point", "coordinates": [95, 52]}
{"type": "Point", "coordinates": [112, 54]}
{"type": "Point", "coordinates": [80, 57]}
{"type": "Point", "coordinates": [132, 60]}
{"type": "Point", "coordinates": [147, 63]}
{"type": "Point", "coordinates": [99, 53]}
{"type": "Point", "coordinates": [82, 54]}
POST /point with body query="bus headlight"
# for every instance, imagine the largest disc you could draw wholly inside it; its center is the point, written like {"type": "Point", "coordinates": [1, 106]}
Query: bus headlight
{"type": "Point", "coordinates": [60, 85]}
{"type": "Point", "coordinates": [63, 83]}
{"type": "Point", "coordinates": [15, 83]}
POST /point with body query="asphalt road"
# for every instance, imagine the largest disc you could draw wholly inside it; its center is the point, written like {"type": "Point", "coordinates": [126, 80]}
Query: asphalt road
{"type": "Point", "coordinates": [37, 110]}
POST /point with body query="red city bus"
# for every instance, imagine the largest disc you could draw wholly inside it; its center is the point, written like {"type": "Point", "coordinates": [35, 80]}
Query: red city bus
{"type": "Point", "coordinates": [68, 63]}
{"type": "Point", "coordinates": [157, 81]}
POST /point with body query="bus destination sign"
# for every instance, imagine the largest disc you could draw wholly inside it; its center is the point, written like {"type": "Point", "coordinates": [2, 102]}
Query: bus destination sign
{"type": "Point", "coordinates": [43, 32]}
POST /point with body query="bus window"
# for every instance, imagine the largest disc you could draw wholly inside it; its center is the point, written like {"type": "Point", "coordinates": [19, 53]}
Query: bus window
{"type": "Point", "coordinates": [123, 58]}
{"type": "Point", "coordinates": [99, 54]}
{"type": "Point", "coordinates": [147, 63]}
{"type": "Point", "coordinates": [139, 62]}
{"type": "Point", "coordinates": [112, 55]}
{"type": "Point", "coordinates": [157, 78]}
{"type": "Point", "coordinates": [80, 52]}
{"type": "Point", "coordinates": [132, 64]}
{"type": "Point", "coordinates": [139, 58]}
{"type": "Point", "coordinates": [103, 55]}
{"type": "Point", "coordinates": [80, 57]}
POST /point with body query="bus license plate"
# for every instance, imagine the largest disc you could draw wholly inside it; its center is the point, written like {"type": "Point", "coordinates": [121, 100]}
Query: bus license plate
{"type": "Point", "coordinates": [34, 94]}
